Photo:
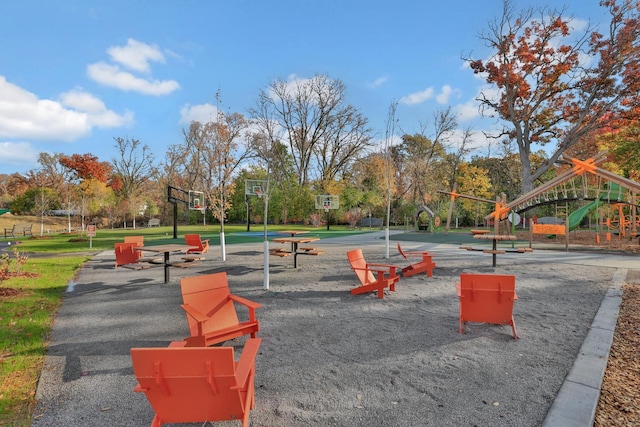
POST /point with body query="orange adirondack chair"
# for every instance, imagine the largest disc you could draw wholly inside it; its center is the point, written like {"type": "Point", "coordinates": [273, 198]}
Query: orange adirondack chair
{"type": "Point", "coordinates": [211, 313]}
{"type": "Point", "coordinates": [373, 277]}
{"type": "Point", "coordinates": [487, 298]}
{"type": "Point", "coordinates": [425, 265]}
{"type": "Point", "coordinates": [138, 240]}
{"type": "Point", "coordinates": [197, 384]}
{"type": "Point", "coordinates": [127, 256]}
{"type": "Point", "coordinates": [200, 246]}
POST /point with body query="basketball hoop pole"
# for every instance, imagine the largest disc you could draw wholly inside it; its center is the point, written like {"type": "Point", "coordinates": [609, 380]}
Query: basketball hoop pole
{"type": "Point", "coordinates": [326, 209]}
{"type": "Point", "coordinates": [265, 281]}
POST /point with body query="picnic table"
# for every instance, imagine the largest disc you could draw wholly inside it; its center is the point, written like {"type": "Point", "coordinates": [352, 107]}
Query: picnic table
{"type": "Point", "coordinates": [295, 248]}
{"type": "Point", "coordinates": [167, 250]}
{"type": "Point", "coordinates": [293, 233]}
{"type": "Point", "coordinates": [495, 238]}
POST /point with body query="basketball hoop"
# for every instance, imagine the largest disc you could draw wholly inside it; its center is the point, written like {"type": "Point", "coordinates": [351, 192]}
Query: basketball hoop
{"type": "Point", "coordinates": [200, 208]}
{"type": "Point", "coordinates": [259, 193]}
{"type": "Point", "coordinates": [326, 205]}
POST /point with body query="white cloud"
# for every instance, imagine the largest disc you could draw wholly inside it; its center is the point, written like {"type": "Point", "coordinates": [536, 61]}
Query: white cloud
{"type": "Point", "coordinates": [95, 109]}
{"type": "Point", "coordinates": [443, 96]}
{"type": "Point", "coordinates": [136, 55]}
{"type": "Point", "coordinates": [17, 153]}
{"type": "Point", "coordinates": [378, 82]}
{"type": "Point", "coordinates": [24, 116]}
{"type": "Point", "coordinates": [203, 113]}
{"type": "Point", "coordinates": [417, 97]}
{"type": "Point", "coordinates": [467, 111]}
{"type": "Point", "coordinates": [111, 75]}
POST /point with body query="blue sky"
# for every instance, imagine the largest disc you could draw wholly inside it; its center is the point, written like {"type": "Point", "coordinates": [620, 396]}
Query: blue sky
{"type": "Point", "coordinates": [75, 74]}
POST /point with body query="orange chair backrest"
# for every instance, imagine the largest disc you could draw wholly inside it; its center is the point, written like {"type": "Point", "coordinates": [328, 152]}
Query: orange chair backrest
{"type": "Point", "coordinates": [138, 240]}
{"type": "Point", "coordinates": [193, 240]}
{"type": "Point", "coordinates": [190, 384]}
{"type": "Point", "coordinates": [487, 297]}
{"type": "Point", "coordinates": [401, 252]}
{"type": "Point", "coordinates": [359, 266]}
{"type": "Point", "coordinates": [125, 253]}
{"type": "Point", "coordinates": [209, 293]}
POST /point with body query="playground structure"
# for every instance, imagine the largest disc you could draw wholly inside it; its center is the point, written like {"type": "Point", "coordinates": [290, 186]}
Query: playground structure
{"type": "Point", "coordinates": [614, 198]}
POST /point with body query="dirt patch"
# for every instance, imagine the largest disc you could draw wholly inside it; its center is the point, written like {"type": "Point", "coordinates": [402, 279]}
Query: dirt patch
{"type": "Point", "coordinates": [619, 403]}
{"type": "Point", "coordinates": [9, 292]}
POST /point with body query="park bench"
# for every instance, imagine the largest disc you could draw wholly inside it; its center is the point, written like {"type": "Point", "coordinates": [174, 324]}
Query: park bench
{"type": "Point", "coordinates": [487, 298]}
{"type": "Point", "coordinates": [21, 229]}
{"type": "Point", "coordinates": [154, 222]}
{"type": "Point", "coordinates": [424, 265]}
{"type": "Point", "coordinates": [197, 384]}
{"type": "Point", "coordinates": [211, 312]}
{"type": "Point", "coordinates": [385, 275]}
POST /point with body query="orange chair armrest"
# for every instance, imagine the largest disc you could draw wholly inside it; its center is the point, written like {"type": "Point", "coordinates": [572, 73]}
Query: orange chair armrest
{"type": "Point", "coordinates": [383, 267]}
{"type": "Point", "coordinates": [417, 253]}
{"type": "Point", "coordinates": [247, 361]}
{"type": "Point", "coordinates": [245, 302]}
{"type": "Point", "coordinates": [251, 305]}
{"type": "Point", "coordinates": [197, 315]}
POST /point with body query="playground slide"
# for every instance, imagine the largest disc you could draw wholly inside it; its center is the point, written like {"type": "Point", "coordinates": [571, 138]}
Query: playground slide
{"type": "Point", "coordinates": [575, 217]}
{"type": "Point", "coordinates": [612, 193]}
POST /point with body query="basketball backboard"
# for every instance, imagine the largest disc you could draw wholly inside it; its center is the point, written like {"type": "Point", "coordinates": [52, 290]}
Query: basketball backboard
{"type": "Point", "coordinates": [327, 201]}
{"type": "Point", "coordinates": [196, 200]}
{"type": "Point", "coordinates": [255, 187]}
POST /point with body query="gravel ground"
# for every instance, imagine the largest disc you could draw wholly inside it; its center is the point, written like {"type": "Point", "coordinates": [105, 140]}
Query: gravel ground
{"type": "Point", "coordinates": [329, 358]}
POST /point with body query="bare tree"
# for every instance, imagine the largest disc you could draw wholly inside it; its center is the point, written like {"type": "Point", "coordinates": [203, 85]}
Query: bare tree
{"type": "Point", "coordinates": [214, 152]}
{"type": "Point", "coordinates": [423, 156]}
{"type": "Point", "coordinates": [133, 167]}
{"type": "Point", "coordinates": [312, 117]}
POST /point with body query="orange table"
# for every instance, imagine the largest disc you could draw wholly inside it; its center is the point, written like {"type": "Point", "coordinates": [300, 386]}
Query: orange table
{"type": "Point", "coordinates": [295, 241]}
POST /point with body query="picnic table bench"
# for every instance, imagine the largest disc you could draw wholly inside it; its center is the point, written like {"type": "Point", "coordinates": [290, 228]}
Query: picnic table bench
{"type": "Point", "coordinates": [20, 229]}
{"type": "Point", "coordinates": [495, 238]}
{"type": "Point", "coordinates": [479, 231]}
{"type": "Point", "coordinates": [295, 249]}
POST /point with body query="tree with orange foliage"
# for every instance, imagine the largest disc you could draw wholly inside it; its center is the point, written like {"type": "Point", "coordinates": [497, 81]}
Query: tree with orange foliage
{"type": "Point", "coordinates": [86, 166]}
{"type": "Point", "coordinates": [86, 170]}
{"type": "Point", "coordinates": [554, 87]}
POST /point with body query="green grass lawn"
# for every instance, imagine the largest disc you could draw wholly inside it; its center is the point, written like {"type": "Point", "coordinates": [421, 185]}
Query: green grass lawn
{"type": "Point", "coordinates": [104, 239]}
{"type": "Point", "coordinates": [29, 303]}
